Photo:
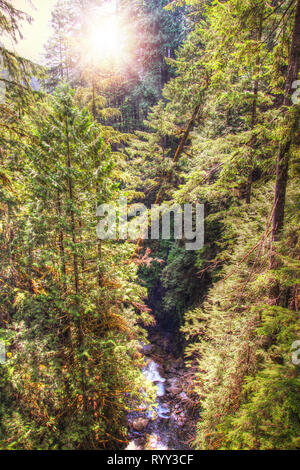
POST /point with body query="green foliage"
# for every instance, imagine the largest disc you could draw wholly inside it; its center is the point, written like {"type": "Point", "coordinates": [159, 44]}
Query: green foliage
{"type": "Point", "coordinates": [72, 308]}
{"type": "Point", "coordinates": [241, 327]}
{"type": "Point", "coordinates": [74, 368]}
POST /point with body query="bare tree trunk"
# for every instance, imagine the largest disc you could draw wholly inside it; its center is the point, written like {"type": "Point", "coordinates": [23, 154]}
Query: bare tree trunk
{"type": "Point", "coordinates": [180, 148]}
{"type": "Point", "coordinates": [282, 165]}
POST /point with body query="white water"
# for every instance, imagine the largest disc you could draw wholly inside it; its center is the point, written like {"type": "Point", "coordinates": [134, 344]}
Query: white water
{"type": "Point", "coordinates": [164, 430]}
{"type": "Point", "coordinates": [158, 411]}
{"type": "Point", "coordinates": [152, 374]}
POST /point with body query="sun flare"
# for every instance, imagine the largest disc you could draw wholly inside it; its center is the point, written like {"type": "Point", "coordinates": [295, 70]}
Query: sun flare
{"type": "Point", "coordinates": [106, 42]}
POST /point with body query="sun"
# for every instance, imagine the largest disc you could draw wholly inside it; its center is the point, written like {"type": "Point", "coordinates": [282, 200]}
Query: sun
{"type": "Point", "coordinates": [106, 42]}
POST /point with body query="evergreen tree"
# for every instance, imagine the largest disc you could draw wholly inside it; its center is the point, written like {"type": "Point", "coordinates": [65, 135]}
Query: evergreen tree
{"type": "Point", "coordinates": [66, 333]}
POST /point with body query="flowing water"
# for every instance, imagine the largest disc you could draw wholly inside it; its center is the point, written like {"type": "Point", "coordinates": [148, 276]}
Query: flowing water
{"type": "Point", "coordinates": [168, 426]}
{"type": "Point", "coordinates": [152, 374]}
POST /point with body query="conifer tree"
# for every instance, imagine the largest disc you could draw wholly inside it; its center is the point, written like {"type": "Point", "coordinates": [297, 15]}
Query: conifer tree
{"type": "Point", "coordinates": [66, 332]}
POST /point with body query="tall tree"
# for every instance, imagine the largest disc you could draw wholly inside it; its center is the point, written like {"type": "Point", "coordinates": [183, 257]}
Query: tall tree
{"type": "Point", "coordinates": [282, 164]}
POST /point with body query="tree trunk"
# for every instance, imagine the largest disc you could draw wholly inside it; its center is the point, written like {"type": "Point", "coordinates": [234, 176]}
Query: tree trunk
{"type": "Point", "coordinates": [282, 165]}
{"type": "Point", "coordinates": [180, 148]}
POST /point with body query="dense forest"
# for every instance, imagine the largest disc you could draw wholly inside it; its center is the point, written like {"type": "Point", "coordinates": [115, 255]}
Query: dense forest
{"type": "Point", "coordinates": [198, 103]}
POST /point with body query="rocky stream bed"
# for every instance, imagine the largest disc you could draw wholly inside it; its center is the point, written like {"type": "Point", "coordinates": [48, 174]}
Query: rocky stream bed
{"type": "Point", "coordinates": [172, 426]}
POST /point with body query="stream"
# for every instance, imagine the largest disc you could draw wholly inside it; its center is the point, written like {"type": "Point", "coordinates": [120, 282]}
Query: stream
{"type": "Point", "coordinates": [170, 425]}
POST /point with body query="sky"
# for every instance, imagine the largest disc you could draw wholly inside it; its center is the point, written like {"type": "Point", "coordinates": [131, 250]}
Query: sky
{"type": "Point", "coordinates": [36, 34]}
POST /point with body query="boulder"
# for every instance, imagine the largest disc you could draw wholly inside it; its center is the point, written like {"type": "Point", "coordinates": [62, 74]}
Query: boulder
{"type": "Point", "coordinates": [174, 390]}
{"type": "Point", "coordinates": [148, 349]}
{"type": "Point", "coordinates": [140, 424]}
{"type": "Point", "coordinates": [174, 386]}
{"type": "Point", "coordinates": [158, 358]}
